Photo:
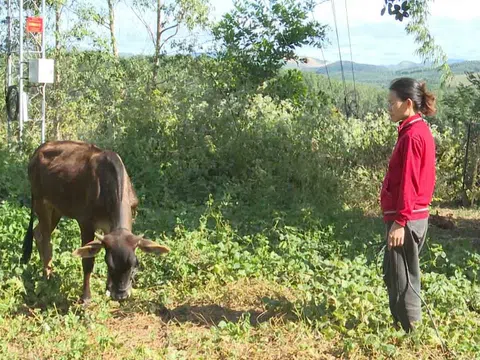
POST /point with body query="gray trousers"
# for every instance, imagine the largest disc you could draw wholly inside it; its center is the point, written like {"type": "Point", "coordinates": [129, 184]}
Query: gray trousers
{"type": "Point", "coordinates": [405, 305]}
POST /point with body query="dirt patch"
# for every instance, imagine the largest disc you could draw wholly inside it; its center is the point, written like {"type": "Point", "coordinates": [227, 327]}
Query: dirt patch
{"type": "Point", "coordinates": [253, 293]}
{"type": "Point", "coordinates": [237, 300]}
{"type": "Point", "coordinates": [138, 330]}
{"type": "Point", "coordinates": [190, 341]}
{"type": "Point", "coordinates": [215, 303]}
{"type": "Point", "coordinates": [190, 329]}
{"type": "Point", "coordinates": [210, 315]}
{"type": "Point", "coordinates": [455, 224]}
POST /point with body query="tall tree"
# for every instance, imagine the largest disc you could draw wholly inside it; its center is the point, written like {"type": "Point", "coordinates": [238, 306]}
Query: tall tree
{"type": "Point", "coordinates": [111, 21]}
{"type": "Point", "coordinates": [257, 38]}
{"type": "Point", "coordinates": [58, 6]}
{"type": "Point", "coordinates": [158, 46]}
{"type": "Point", "coordinates": [170, 16]}
{"type": "Point", "coordinates": [67, 37]}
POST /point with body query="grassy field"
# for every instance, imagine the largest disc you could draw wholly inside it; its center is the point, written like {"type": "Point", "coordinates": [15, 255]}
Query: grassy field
{"type": "Point", "coordinates": [291, 287]}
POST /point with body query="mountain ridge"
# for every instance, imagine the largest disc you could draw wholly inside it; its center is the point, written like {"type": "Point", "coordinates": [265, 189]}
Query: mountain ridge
{"type": "Point", "coordinates": [382, 75]}
{"type": "Point", "coordinates": [404, 64]}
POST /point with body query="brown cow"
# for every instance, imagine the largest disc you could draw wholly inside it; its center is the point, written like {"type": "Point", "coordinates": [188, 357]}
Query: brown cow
{"type": "Point", "coordinates": [90, 185]}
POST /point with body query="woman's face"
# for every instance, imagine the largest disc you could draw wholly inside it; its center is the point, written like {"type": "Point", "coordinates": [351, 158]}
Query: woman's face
{"type": "Point", "coordinates": [399, 110]}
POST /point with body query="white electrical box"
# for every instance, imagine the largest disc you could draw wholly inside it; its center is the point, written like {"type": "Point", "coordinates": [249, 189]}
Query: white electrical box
{"type": "Point", "coordinates": [24, 110]}
{"type": "Point", "coordinates": [40, 71]}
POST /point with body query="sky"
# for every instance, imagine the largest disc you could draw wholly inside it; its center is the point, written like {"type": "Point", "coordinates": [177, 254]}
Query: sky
{"type": "Point", "coordinates": [376, 39]}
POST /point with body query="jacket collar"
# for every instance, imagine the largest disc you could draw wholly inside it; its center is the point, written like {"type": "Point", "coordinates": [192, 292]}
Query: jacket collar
{"type": "Point", "coordinates": [409, 121]}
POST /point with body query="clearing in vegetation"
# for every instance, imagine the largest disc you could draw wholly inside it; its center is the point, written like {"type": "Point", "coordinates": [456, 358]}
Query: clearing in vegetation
{"type": "Point", "coordinates": [280, 292]}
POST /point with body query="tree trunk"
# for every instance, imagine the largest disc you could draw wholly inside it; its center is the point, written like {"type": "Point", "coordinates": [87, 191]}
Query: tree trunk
{"type": "Point", "coordinates": [474, 178]}
{"type": "Point", "coordinates": [113, 40]}
{"type": "Point", "coordinates": [58, 48]}
{"type": "Point", "coordinates": [156, 59]}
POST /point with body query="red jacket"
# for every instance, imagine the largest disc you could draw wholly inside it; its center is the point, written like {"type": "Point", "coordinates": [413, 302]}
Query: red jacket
{"type": "Point", "coordinates": [410, 180]}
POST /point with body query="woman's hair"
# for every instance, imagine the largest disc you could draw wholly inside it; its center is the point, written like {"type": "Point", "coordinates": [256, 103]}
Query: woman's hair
{"type": "Point", "coordinates": [408, 88]}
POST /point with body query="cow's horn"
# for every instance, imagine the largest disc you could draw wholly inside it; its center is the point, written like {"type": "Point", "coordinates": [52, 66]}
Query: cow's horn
{"type": "Point", "coordinates": [99, 237]}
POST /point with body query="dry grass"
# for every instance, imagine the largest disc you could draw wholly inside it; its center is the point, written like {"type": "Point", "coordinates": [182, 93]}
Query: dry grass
{"type": "Point", "coordinates": [466, 224]}
{"type": "Point", "coordinates": [190, 329]}
{"type": "Point", "coordinates": [193, 341]}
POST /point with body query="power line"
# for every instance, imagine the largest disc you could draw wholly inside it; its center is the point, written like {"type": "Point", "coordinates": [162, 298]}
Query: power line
{"type": "Point", "coordinates": [351, 53]}
{"type": "Point", "coordinates": [323, 58]}
{"type": "Point", "coordinates": [340, 55]}
{"type": "Point", "coordinates": [326, 68]}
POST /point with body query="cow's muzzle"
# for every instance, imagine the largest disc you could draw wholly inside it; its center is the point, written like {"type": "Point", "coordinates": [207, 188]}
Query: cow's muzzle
{"type": "Point", "coordinates": [120, 295]}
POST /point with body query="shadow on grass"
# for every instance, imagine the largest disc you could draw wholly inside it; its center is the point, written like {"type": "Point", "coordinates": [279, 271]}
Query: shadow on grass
{"type": "Point", "coordinates": [204, 315]}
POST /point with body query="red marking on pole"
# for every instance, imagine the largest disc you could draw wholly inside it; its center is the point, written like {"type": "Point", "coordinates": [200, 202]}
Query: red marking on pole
{"type": "Point", "coordinates": [34, 24]}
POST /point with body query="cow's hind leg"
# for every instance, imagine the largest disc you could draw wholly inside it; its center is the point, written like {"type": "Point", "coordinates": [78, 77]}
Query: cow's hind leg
{"type": "Point", "coordinates": [48, 219]}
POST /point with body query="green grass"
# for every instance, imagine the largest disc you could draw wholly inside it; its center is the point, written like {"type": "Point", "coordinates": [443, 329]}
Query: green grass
{"type": "Point", "coordinates": [296, 287]}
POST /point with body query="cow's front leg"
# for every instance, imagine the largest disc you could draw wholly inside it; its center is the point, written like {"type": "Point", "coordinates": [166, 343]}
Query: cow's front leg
{"type": "Point", "coordinates": [87, 264]}
{"type": "Point", "coordinates": [87, 272]}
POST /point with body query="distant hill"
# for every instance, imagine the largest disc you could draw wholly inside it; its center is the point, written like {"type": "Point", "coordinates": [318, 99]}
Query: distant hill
{"type": "Point", "coordinates": [382, 75]}
{"type": "Point", "coordinates": [364, 73]}
{"type": "Point", "coordinates": [454, 61]}
{"type": "Point", "coordinates": [347, 65]}
{"type": "Point", "coordinates": [403, 65]}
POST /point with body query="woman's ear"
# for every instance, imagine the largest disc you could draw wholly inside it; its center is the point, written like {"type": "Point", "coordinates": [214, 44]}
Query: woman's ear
{"type": "Point", "coordinates": [410, 104]}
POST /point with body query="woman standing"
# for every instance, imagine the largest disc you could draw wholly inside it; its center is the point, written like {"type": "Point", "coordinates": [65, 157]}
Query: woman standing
{"type": "Point", "coordinates": [405, 197]}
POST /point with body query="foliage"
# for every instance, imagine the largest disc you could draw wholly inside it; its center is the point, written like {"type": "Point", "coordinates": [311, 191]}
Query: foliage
{"type": "Point", "coordinates": [461, 109]}
{"type": "Point", "coordinates": [171, 17]}
{"type": "Point", "coordinates": [400, 11]}
{"type": "Point", "coordinates": [365, 100]}
{"type": "Point", "coordinates": [257, 37]}
{"type": "Point", "coordinates": [191, 13]}
{"type": "Point", "coordinates": [418, 11]}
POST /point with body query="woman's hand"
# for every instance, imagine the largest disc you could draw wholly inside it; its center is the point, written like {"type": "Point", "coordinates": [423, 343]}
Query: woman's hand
{"type": "Point", "coordinates": [396, 235]}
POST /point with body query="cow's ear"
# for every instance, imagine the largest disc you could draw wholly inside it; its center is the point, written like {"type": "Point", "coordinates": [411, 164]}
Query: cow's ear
{"type": "Point", "coordinates": [89, 250]}
{"type": "Point", "coordinates": [152, 247]}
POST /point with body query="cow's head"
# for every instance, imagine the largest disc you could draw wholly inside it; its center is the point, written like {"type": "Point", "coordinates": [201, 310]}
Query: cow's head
{"type": "Point", "coordinates": [122, 263]}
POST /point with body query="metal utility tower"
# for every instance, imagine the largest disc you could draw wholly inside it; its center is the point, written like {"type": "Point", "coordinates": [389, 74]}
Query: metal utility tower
{"type": "Point", "coordinates": [28, 70]}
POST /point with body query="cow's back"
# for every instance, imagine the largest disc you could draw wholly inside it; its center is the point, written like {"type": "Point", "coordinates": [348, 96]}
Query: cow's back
{"type": "Point", "coordinates": [63, 173]}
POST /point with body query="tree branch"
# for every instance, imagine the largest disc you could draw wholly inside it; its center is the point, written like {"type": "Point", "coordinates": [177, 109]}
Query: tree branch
{"type": "Point", "coordinates": [106, 26]}
{"type": "Point", "coordinates": [75, 12]}
{"type": "Point", "coordinates": [150, 32]}
{"type": "Point", "coordinates": [168, 28]}
{"type": "Point", "coordinates": [168, 38]}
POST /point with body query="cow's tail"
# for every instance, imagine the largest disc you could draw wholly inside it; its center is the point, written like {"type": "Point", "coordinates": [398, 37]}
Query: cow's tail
{"type": "Point", "coordinates": [28, 239]}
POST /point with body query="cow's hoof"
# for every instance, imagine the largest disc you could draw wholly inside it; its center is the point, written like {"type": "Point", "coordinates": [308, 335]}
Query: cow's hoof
{"type": "Point", "coordinates": [48, 273]}
{"type": "Point", "coordinates": [84, 301]}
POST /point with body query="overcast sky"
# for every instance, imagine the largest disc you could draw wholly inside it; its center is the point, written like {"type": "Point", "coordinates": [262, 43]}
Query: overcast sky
{"type": "Point", "coordinates": [375, 39]}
